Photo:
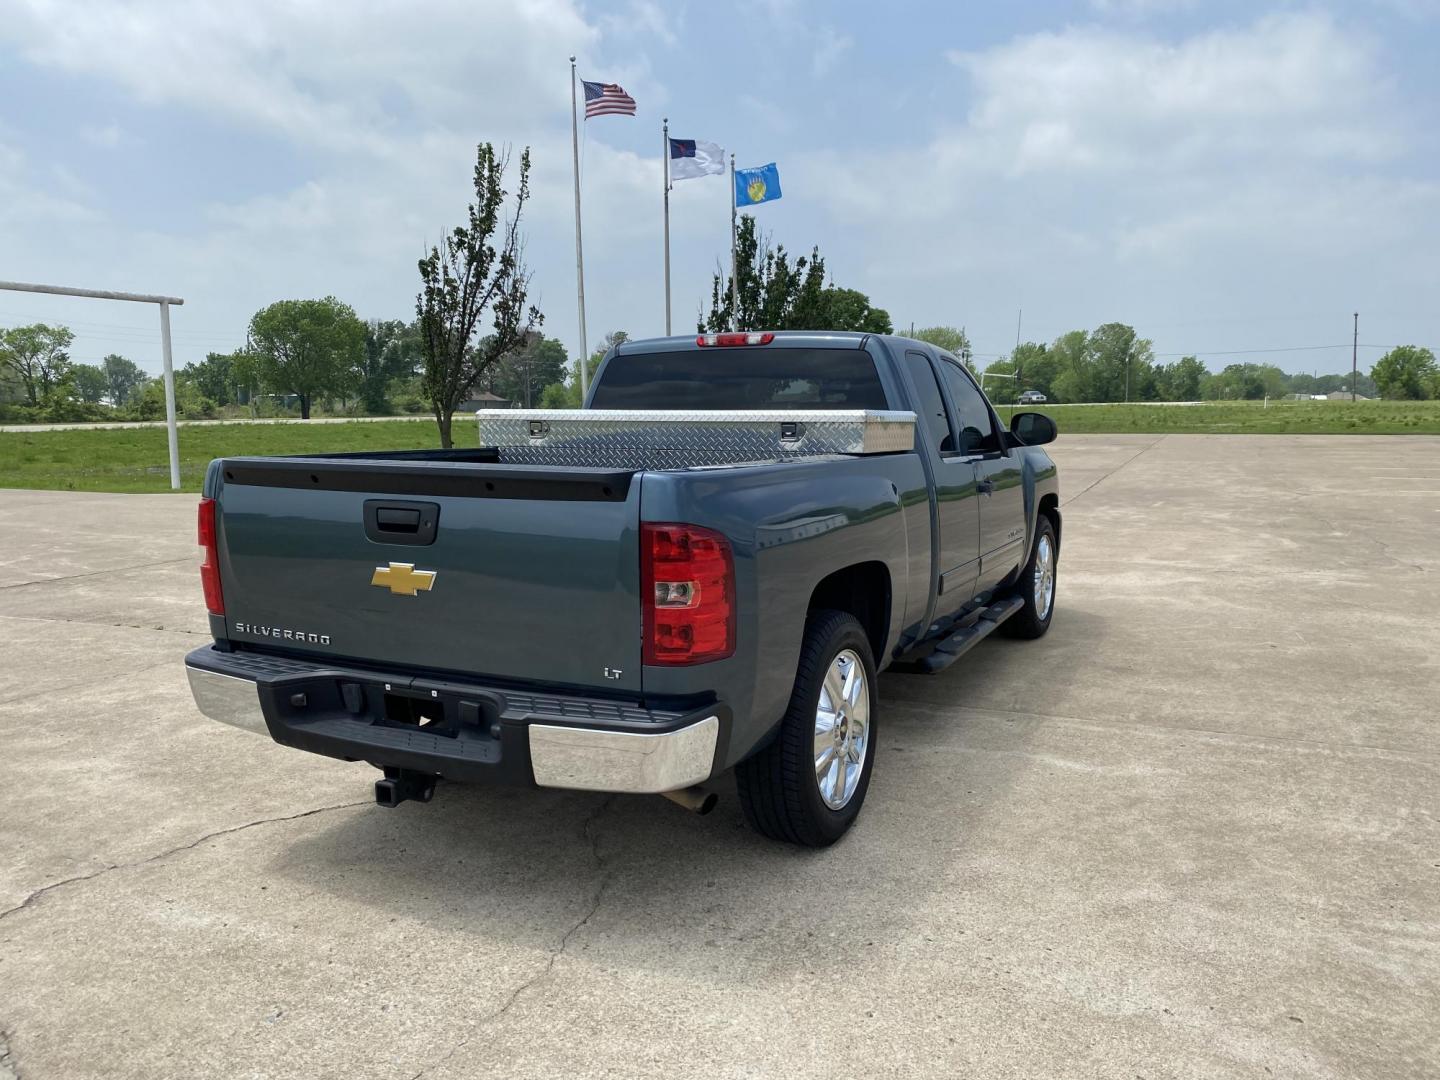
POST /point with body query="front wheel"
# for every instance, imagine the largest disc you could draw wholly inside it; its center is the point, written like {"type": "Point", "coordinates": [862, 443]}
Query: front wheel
{"type": "Point", "coordinates": [1036, 586]}
{"type": "Point", "coordinates": [807, 786]}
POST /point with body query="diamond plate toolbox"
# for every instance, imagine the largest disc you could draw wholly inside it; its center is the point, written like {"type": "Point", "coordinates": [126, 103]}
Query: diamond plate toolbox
{"type": "Point", "coordinates": [672, 439]}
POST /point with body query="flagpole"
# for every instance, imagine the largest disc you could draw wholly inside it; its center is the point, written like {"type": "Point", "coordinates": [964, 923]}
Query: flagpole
{"type": "Point", "coordinates": [665, 173]}
{"type": "Point", "coordinates": [579, 248]}
{"type": "Point", "coordinates": [734, 260]}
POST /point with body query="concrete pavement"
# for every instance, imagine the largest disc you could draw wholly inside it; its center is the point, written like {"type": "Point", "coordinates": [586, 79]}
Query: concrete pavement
{"type": "Point", "coordinates": [1190, 833]}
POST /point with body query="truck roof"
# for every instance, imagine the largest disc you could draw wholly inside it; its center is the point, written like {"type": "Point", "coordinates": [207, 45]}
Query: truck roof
{"type": "Point", "coordinates": [795, 339]}
{"type": "Point", "coordinates": [813, 339]}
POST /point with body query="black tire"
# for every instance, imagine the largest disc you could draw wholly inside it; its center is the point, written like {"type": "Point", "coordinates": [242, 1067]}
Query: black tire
{"type": "Point", "coordinates": [1028, 621]}
{"type": "Point", "coordinates": [778, 788]}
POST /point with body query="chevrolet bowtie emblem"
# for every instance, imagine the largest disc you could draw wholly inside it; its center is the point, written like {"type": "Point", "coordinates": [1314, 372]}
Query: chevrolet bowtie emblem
{"type": "Point", "coordinates": [402, 579]}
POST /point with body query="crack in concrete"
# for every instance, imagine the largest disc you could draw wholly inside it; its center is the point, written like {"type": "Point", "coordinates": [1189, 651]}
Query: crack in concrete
{"type": "Point", "coordinates": [90, 682]}
{"type": "Point", "coordinates": [9, 1068]}
{"type": "Point", "coordinates": [44, 889]}
{"type": "Point", "coordinates": [101, 622]}
{"type": "Point", "coordinates": [1300, 496]}
{"type": "Point", "coordinates": [1144, 450]}
{"type": "Point", "coordinates": [93, 573]}
{"type": "Point", "coordinates": [1113, 723]}
{"type": "Point", "coordinates": [544, 973]}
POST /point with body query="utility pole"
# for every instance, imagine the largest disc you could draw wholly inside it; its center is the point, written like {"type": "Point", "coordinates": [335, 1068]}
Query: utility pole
{"type": "Point", "coordinates": [1016, 354]}
{"type": "Point", "coordinates": [1355, 357]}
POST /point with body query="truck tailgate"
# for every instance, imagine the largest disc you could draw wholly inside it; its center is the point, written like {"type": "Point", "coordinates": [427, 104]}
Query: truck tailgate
{"type": "Point", "coordinates": [528, 573]}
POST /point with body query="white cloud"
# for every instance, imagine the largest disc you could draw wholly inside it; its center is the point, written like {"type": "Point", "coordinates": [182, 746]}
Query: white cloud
{"type": "Point", "coordinates": [1288, 87]}
{"type": "Point", "coordinates": [830, 48]}
{"type": "Point", "coordinates": [1115, 173]}
{"type": "Point", "coordinates": [328, 77]}
{"type": "Point", "coordinates": [1142, 7]}
{"type": "Point", "coordinates": [106, 137]}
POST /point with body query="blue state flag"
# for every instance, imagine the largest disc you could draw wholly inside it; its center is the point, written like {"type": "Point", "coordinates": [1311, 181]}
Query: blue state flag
{"type": "Point", "coordinates": [757, 185]}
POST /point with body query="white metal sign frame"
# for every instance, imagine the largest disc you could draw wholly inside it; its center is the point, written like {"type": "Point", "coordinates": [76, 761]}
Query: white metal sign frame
{"type": "Point", "coordinates": [140, 298]}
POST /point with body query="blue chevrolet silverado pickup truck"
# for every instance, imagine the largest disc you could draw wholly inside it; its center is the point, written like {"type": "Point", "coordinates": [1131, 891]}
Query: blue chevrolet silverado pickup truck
{"type": "Point", "coordinates": [703, 570]}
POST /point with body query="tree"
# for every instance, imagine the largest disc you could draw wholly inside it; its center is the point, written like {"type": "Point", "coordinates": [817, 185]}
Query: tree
{"type": "Point", "coordinates": [392, 351]}
{"type": "Point", "coordinates": [952, 339]}
{"type": "Point", "coordinates": [521, 376]}
{"type": "Point", "coordinates": [774, 294]}
{"type": "Point", "coordinates": [1033, 366]}
{"type": "Point", "coordinates": [1407, 372]}
{"type": "Point", "coordinates": [39, 355]}
{"type": "Point", "coordinates": [90, 383]}
{"type": "Point", "coordinates": [1122, 364]}
{"type": "Point", "coordinates": [1182, 380]}
{"type": "Point", "coordinates": [306, 347]}
{"type": "Point", "coordinates": [123, 379]}
{"type": "Point", "coordinates": [1071, 380]}
{"type": "Point", "coordinates": [849, 309]}
{"type": "Point", "coordinates": [465, 275]}
{"type": "Point", "coordinates": [216, 377]}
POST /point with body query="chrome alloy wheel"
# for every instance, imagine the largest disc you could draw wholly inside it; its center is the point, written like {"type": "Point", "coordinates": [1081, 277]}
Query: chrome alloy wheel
{"type": "Point", "coordinates": [842, 729]}
{"type": "Point", "coordinates": [1044, 577]}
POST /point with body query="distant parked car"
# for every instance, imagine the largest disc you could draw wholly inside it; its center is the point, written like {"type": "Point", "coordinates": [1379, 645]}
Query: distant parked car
{"type": "Point", "coordinates": [1032, 397]}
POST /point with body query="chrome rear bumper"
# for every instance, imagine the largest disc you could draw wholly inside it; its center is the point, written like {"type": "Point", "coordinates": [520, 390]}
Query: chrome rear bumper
{"type": "Point", "coordinates": [560, 756]}
{"type": "Point", "coordinates": [228, 699]}
{"type": "Point", "coordinates": [592, 760]}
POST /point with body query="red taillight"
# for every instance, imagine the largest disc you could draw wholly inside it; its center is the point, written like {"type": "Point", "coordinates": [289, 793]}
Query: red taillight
{"type": "Point", "coordinates": [210, 568]}
{"type": "Point", "coordinates": [736, 339]}
{"type": "Point", "coordinates": [687, 582]}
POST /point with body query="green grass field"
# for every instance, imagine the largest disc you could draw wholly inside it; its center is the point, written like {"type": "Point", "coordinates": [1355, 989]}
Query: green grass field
{"type": "Point", "coordinates": [1248, 418]}
{"type": "Point", "coordinates": [134, 459]}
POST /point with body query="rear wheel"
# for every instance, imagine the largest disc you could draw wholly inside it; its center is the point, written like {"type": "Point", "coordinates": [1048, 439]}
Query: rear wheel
{"type": "Point", "coordinates": [807, 786]}
{"type": "Point", "coordinates": [1036, 586]}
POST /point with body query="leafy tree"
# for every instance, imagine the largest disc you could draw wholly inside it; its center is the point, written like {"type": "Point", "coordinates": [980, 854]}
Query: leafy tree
{"type": "Point", "coordinates": [776, 294]}
{"type": "Point", "coordinates": [216, 377]}
{"type": "Point", "coordinates": [1071, 383]}
{"type": "Point", "coordinates": [123, 379]}
{"type": "Point", "coordinates": [1407, 372]}
{"type": "Point", "coordinates": [1180, 381]}
{"type": "Point", "coordinates": [90, 383]}
{"type": "Point", "coordinates": [190, 403]}
{"type": "Point", "coordinates": [392, 351]}
{"type": "Point", "coordinates": [465, 275]}
{"type": "Point", "coordinates": [848, 309]}
{"type": "Point", "coordinates": [306, 347]}
{"type": "Point", "coordinates": [521, 376]}
{"type": "Point", "coordinates": [11, 388]}
{"type": "Point", "coordinates": [39, 355]}
{"type": "Point", "coordinates": [950, 338]}
{"type": "Point", "coordinates": [1122, 364]}
{"type": "Point", "coordinates": [1034, 366]}
{"type": "Point", "coordinates": [563, 395]}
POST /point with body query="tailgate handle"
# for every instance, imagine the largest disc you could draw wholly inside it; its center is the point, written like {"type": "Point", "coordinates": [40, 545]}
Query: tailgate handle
{"type": "Point", "coordinates": [394, 519]}
{"type": "Point", "coordinates": [401, 522]}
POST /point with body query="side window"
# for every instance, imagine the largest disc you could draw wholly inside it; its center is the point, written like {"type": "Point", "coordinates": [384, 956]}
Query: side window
{"type": "Point", "coordinates": [930, 406]}
{"type": "Point", "coordinates": [977, 434]}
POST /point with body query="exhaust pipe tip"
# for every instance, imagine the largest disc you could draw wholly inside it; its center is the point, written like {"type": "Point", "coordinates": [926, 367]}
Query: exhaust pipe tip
{"type": "Point", "coordinates": [695, 799]}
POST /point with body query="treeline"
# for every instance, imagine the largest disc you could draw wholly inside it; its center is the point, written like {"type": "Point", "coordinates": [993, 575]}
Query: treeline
{"type": "Point", "coordinates": [1113, 363]}
{"type": "Point", "coordinates": [302, 356]}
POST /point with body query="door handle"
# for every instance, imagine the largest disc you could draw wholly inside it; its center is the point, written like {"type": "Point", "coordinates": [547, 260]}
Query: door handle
{"type": "Point", "coordinates": [985, 487]}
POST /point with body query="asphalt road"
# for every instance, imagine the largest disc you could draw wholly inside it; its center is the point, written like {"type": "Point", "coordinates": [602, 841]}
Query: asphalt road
{"type": "Point", "coordinates": [1191, 833]}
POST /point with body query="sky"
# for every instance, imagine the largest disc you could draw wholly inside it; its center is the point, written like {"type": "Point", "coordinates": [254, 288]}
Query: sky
{"type": "Point", "coordinates": [1232, 179]}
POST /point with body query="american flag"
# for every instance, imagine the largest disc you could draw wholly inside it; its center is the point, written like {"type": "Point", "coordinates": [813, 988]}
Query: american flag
{"type": "Point", "coordinates": [607, 99]}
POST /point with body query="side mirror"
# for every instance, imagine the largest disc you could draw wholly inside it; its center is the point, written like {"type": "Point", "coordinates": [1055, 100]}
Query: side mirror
{"type": "Point", "coordinates": [1033, 428]}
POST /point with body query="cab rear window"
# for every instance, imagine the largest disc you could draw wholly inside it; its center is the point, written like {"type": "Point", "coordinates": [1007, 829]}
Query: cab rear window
{"type": "Point", "coordinates": [757, 377]}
